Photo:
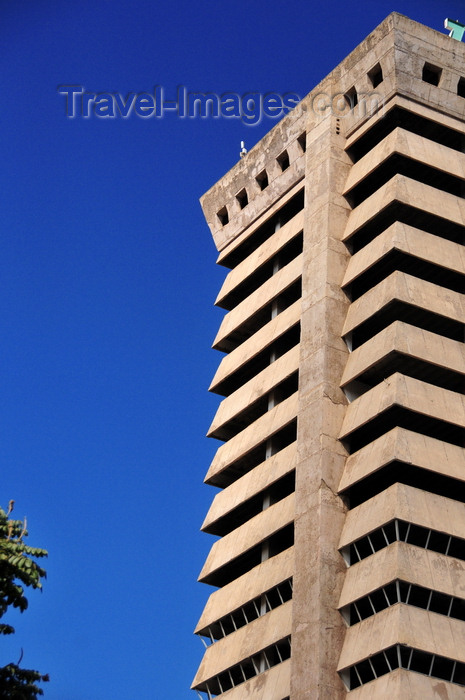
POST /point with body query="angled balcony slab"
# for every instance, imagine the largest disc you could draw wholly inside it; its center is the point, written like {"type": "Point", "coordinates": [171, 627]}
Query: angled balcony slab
{"type": "Point", "coordinates": [401, 561]}
{"type": "Point", "coordinates": [398, 100]}
{"type": "Point", "coordinates": [245, 642]}
{"type": "Point", "coordinates": [248, 535]}
{"type": "Point", "coordinates": [411, 241]}
{"type": "Point", "coordinates": [262, 296]}
{"type": "Point", "coordinates": [257, 343]}
{"type": "Point", "coordinates": [405, 503]}
{"type": "Point", "coordinates": [411, 394]}
{"type": "Point", "coordinates": [263, 254]}
{"type": "Point", "coordinates": [406, 446]}
{"type": "Point", "coordinates": [252, 483]}
{"type": "Point", "coordinates": [256, 388]}
{"type": "Point", "coordinates": [410, 341]}
{"type": "Point", "coordinates": [410, 145]}
{"type": "Point", "coordinates": [262, 429]}
{"type": "Point", "coordinates": [247, 587]}
{"type": "Point", "coordinates": [414, 291]}
{"type": "Point", "coordinates": [404, 624]}
{"type": "Point", "coordinates": [410, 192]}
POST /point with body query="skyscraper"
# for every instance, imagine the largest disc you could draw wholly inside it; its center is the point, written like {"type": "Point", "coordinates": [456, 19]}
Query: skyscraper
{"type": "Point", "coordinates": [340, 567]}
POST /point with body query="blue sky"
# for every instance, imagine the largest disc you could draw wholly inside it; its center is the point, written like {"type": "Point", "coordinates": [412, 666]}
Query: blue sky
{"type": "Point", "coordinates": [107, 283]}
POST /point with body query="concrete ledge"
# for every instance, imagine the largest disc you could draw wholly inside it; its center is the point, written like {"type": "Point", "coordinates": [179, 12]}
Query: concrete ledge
{"type": "Point", "coordinates": [248, 535]}
{"type": "Point", "coordinates": [263, 428]}
{"type": "Point", "coordinates": [411, 192]}
{"type": "Point", "coordinates": [407, 685]}
{"type": "Point", "coordinates": [400, 560]}
{"type": "Point", "coordinates": [258, 479]}
{"type": "Point", "coordinates": [411, 394]}
{"type": "Point", "coordinates": [411, 241]}
{"type": "Point", "coordinates": [405, 503]}
{"type": "Point", "coordinates": [262, 296]}
{"type": "Point", "coordinates": [399, 100]}
{"type": "Point", "coordinates": [261, 255]}
{"type": "Point", "coordinates": [410, 290]}
{"type": "Point", "coordinates": [258, 342]}
{"type": "Point", "coordinates": [257, 387]}
{"type": "Point", "coordinates": [404, 624]}
{"type": "Point", "coordinates": [412, 146]}
{"type": "Point", "coordinates": [245, 642]}
{"type": "Point", "coordinates": [406, 446]}
{"type": "Point", "coordinates": [247, 587]}
{"type": "Point", "coordinates": [410, 341]}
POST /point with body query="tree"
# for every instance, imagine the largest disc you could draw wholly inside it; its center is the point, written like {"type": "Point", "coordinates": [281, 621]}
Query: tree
{"type": "Point", "coordinates": [18, 569]}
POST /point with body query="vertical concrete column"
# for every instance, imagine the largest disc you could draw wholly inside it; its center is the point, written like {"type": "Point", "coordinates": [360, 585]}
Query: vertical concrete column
{"type": "Point", "coordinates": [318, 629]}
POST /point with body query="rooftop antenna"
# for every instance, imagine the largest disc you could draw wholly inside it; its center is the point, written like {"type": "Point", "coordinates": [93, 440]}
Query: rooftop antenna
{"type": "Point", "coordinates": [456, 29]}
{"type": "Point", "coordinates": [243, 150]}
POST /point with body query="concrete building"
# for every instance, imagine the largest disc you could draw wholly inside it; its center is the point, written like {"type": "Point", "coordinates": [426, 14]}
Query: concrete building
{"type": "Point", "coordinates": [341, 512]}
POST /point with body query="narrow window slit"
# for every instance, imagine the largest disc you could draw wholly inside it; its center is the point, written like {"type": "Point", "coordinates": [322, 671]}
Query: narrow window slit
{"type": "Point", "coordinates": [242, 198]}
{"type": "Point", "coordinates": [223, 216]}
{"type": "Point", "coordinates": [283, 160]}
{"type": "Point", "coordinates": [262, 180]}
{"type": "Point", "coordinates": [376, 75]}
{"type": "Point", "coordinates": [351, 97]}
{"type": "Point", "coordinates": [431, 74]}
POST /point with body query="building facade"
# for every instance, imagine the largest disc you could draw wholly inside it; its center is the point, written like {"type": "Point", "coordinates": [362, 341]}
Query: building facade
{"type": "Point", "coordinates": [340, 567]}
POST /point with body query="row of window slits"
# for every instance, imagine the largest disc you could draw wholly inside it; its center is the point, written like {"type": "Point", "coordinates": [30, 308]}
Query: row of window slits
{"type": "Point", "coordinates": [430, 74]}
{"type": "Point", "coordinates": [375, 76]}
{"type": "Point", "coordinates": [247, 669]}
{"type": "Point", "coordinates": [242, 197]}
{"type": "Point", "coordinates": [402, 531]}
{"type": "Point", "coordinates": [401, 656]}
{"type": "Point", "coordinates": [409, 594]}
{"type": "Point", "coordinates": [254, 609]}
